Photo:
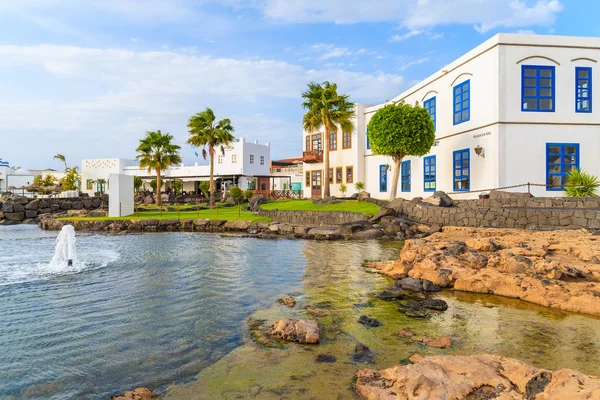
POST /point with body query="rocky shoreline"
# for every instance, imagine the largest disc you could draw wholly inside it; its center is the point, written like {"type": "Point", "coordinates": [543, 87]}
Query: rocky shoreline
{"type": "Point", "coordinates": [473, 378]}
{"type": "Point", "coordinates": [384, 225]}
{"type": "Point", "coordinates": [556, 269]}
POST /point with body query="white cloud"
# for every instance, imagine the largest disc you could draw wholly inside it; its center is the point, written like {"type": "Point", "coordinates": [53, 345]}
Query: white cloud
{"type": "Point", "coordinates": [416, 14]}
{"type": "Point", "coordinates": [407, 35]}
{"type": "Point", "coordinates": [406, 63]}
{"type": "Point", "coordinates": [107, 98]}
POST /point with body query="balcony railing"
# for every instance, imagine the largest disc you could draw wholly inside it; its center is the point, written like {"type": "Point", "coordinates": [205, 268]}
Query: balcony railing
{"type": "Point", "coordinates": [312, 156]}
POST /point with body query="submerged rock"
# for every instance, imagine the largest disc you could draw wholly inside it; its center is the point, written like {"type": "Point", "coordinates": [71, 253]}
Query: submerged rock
{"type": "Point", "coordinates": [301, 331]}
{"type": "Point", "coordinates": [474, 377]}
{"type": "Point", "coordinates": [416, 285]}
{"type": "Point", "coordinates": [325, 358]}
{"type": "Point", "coordinates": [431, 304]}
{"type": "Point", "coordinates": [440, 342]}
{"type": "Point", "coordinates": [362, 352]}
{"type": "Point", "coordinates": [368, 321]}
{"type": "Point", "coordinates": [140, 393]}
{"type": "Point", "coordinates": [287, 301]}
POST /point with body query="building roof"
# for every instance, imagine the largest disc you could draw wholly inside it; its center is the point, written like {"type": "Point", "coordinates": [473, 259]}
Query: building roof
{"type": "Point", "coordinates": [287, 161]}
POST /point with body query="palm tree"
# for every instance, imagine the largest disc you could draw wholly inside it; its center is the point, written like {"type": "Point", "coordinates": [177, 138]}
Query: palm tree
{"type": "Point", "coordinates": [156, 151]}
{"type": "Point", "coordinates": [326, 109]}
{"type": "Point", "coordinates": [206, 134]}
{"type": "Point", "coordinates": [61, 158]}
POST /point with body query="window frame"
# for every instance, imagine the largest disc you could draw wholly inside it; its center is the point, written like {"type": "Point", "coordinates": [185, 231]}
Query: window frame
{"type": "Point", "coordinates": [431, 103]}
{"type": "Point", "coordinates": [219, 158]}
{"type": "Point", "coordinates": [251, 158]}
{"type": "Point", "coordinates": [462, 108]}
{"type": "Point", "coordinates": [262, 160]}
{"type": "Point", "coordinates": [461, 176]}
{"type": "Point", "coordinates": [307, 179]}
{"type": "Point", "coordinates": [307, 142]}
{"type": "Point", "coordinates": [344, 136]}
{"type": "Point", "coordinates": [562, 174]}
{"type": "Point", "coordinates": [405, 172]}
{"type": "Point", "coordinates": [383, 173]}
{"type": "Point", "coordinates": [339, 175]}
{"type": "Point", "coordinates": [233, 158]}
{"type": "Point", "coordinates": [589, 89]}
{"type": "Point", "coordinates": [432, 162]}
{"type": "Point", "coordinates": [331, 176]}
{"type": "Point", "coordinates": [351, 168]}
{"type": "Point", "coordinates": [333, 141]}
{"type": "Point", "coordinates": [537, 87]}
{"type": "Point", "coordinates": [368, 144]}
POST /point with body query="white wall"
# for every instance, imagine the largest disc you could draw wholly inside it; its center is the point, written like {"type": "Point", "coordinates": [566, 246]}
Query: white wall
{"type": "Point", "coordinates": [121, 201]}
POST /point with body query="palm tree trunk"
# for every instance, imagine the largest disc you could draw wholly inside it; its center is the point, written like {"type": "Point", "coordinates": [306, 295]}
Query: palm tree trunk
{"type": "Point", "coordinates": [325, 178]}
{"type": "Point", "coordinates": [211, 151]}
{"type": "Point", "coordinates": [158, 185]}
{"type": "Point", "coordinates": [396, 176]}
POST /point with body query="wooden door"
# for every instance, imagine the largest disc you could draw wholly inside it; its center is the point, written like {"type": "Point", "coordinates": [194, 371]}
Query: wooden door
{"type": "Point", "coordinates": [316, 183]}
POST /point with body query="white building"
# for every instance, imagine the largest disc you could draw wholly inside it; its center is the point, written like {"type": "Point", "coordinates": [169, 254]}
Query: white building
{"type": "Point", "coordinates": [244, 163]}
{"type": "Point", "coordinates": [14, 177]}
{"type": "Point", "coordinates": [288, 174]}
{"type": "Point", "coordinates": [516, 109]}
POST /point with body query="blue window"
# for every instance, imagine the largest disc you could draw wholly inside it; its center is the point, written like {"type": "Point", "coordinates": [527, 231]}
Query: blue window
{"type": "Point", "coordinates": [583, 90]}
{"type": "Point", "coordinates": [430, 106]}
{"type": "Point", "coordinates": [561, 158]}
{"type": "Point", "coordinates": [383, 172]}
{"type": "Point", "coordinates": [462, 102]}
{"type": "Point", "coordinates": [405, 176]}
{"type": "Point", "coordinates": [537, 88]}
{"type": "Point", "coordinates": [429, 173]}
{"type": "Point", "coordinates": [462, 170]}
{"type": "Point", "coordinates": [368, 141]}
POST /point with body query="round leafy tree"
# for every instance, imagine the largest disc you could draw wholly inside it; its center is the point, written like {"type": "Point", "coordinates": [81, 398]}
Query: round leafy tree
{"type": "Point", "coordinates": [236, 192]}
{"type": "Point", "coordinates": [248, 194]}
{"type": "Point", "coordinates": [399, 130]}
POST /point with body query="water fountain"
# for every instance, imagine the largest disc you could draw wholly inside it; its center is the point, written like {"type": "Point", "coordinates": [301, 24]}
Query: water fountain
{"type": "Point", "coordinates": [64, 252]}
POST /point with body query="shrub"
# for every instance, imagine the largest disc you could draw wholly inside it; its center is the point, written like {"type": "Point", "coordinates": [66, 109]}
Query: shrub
{"type": "Point", "coordinates": [360, 186]}
{"type": "Point", "coordinates": [580, 183]}
{"type": "Point", "coordinates": [248, 194]}
{"type": "Point", "coordinates": [204, 188]}
{"type": "Point", "coordinates": [236, 192]}
{"type": "Point", "coordinates": [343, 189]}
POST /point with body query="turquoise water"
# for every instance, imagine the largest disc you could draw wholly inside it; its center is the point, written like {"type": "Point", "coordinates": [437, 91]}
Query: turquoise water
{"type": "Point", "coordinates": [136, 310]}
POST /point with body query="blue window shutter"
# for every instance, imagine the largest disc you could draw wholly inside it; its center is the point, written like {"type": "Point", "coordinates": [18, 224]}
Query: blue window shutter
{"type": "Point", "coordinates": [461, 94]}
{"type": "Point", "coordinates": [405, 176]}
{"type": "Point", "coordinates": [461, 170]}
{"type": "Point", "coordinates": [537, 88]}
{"type": "Point", "coordinates": [583, 89]}
{"type": "Point", "coordinates": [383, 177]}
{"type": "Point", "coordinates": [561, 158]}
{"type": "Point", "coordinates": [429, 174]}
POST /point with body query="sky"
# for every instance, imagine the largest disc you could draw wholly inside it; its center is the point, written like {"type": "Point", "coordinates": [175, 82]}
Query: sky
{"type": "Point", "coordinates": [88, 78]}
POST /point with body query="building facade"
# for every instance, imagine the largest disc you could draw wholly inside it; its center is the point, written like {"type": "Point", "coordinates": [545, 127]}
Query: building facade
{"type": "Point", "coordinates": [245, 164]}
{"type": "Point", "coordinates": [288, 174]}
{"type": "Point", "coordinates": [516, 109]}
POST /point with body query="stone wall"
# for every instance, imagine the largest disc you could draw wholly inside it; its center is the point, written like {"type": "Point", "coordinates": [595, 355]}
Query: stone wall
{"type": "Point", "coordinates": [313, 218]}
{"type": "Point", "coordinates": [525, 213]}
{"type": "Point", "coordinates": [26, 210]}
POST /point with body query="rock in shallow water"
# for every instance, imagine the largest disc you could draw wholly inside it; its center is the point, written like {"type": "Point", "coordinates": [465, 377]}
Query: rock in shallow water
{"type": "Point", "coordinates": [368, 321]}
{"type": "Point", "coordinates": [301, 331]}
{"type": "Point", "coordinates": [325, 358]}
{"type": "Point", "coordinates": [361, 352]}
{"type": "Point", "coordinates": [441, 342]}
{"type": "Point", "coordinates": [135, 394]}
{"type": "Point", "coordinates": [287, 301]}
{"type": "Point", "coordinates": [460, 377]}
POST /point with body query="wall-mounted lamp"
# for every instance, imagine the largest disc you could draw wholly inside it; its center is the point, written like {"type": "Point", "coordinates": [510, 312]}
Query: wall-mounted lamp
{"type": "Point", "coordinates": [388, 167]}
{"type": "Point", "coordinates": [479, 151]}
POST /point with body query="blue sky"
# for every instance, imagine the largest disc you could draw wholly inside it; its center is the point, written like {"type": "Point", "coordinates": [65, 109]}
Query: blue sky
{"type": "Point", "coordinates": [88, 78]}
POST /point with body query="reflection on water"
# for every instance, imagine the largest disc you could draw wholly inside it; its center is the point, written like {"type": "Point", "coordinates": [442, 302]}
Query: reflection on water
{"type": "Point", "coordinates": [335, 282]}
{"type": "Point", "coordinates": [158, 309]}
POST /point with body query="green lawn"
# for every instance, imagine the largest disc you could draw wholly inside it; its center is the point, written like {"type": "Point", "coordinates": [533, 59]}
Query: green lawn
{"type": "Point", "coordinates": [228, 214]}
{"type": "Point", "coordinates": [307, 205]}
